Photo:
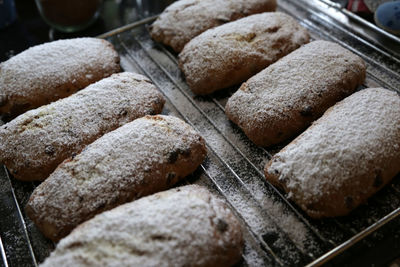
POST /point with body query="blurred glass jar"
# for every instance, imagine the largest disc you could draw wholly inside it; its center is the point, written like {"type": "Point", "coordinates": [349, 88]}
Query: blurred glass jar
{"type": "Point", "coordinates": [7, 13]}
{"type": "Point", "coordinates": [71, 15]}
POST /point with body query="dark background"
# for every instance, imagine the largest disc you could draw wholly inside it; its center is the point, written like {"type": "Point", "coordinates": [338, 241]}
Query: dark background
{"type": "Point", "coordinates": [30, 29]}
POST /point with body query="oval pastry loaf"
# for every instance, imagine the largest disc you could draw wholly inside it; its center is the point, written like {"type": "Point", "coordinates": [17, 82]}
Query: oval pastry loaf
{"type": "Point", "coordinates": [47, 72]}
{"type": "Point", "coordinates": [145, 156]}
{"type": "Point", "coordinates": [35, 143]}
{"type": "Point", "coordinates": [232, 53]}
{"type": "Point", "coordinates": [185, 19]}
{"type": "Point", "coordinates": [347, 155]}
{"type": "Point", "coordinates": [185, 226]}
{"type": "Point", "coordinates": [282, 100]}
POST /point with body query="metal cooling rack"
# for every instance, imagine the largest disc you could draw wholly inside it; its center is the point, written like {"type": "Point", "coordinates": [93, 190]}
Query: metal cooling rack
{"type": "Point", "coordinates": [276, 231]}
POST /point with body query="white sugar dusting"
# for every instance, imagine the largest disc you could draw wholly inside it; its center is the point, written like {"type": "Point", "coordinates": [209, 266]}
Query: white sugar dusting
{"type": "Point", "coordinates": [329, 157]}
{"type": "Point", "coordinates": [185, 19]}
{"type": "Point", "coordinates": [139, 158]}
{"type": "Point", "coordinates": [51, 70]}
{"type": "Point", "coordinates": [33, 144]}
{"type": "Point", "coordinates": [284, 98]}
{"type": "Point", "coordinates": [228, 54]}
{"type": "Point", "coordinates": [179, 227]}
{"type": "Point", "coordinates": [295, 229]}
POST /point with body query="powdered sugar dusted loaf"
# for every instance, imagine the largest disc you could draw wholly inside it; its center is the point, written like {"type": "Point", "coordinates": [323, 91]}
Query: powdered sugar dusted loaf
{"type": "Point", "coordinates": [282, 100]}
{"type": "Point", "coordinates": [54, 70]}
{"type": "Point", "coordinates": [231, 53]}
{"type": "Point", "coordinates": [33, 144]}
{"type": "Point", "coordinates": [185, 19]}
{"type": "Point", "coordinates": [142, 157]}
{"type": "Point", "coordinates": [185, 226]}
{"type": "Point", "coordinates": [347, 155]}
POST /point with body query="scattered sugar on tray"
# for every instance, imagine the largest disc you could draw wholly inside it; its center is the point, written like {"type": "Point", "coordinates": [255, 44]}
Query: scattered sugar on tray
{"type": "Point", "coordinates": [278, 217]}
{"type": "Point", "coordinates": [287, 222]}
{"type": "Point", "coordinates": [298, 233]}
{"type": "Point", "coordinates": [293, 227]}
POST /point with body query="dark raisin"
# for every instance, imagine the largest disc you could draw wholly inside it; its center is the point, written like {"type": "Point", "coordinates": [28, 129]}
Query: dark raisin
{"type": "Point", "coordinates": [170, 177]}
{"type": "Point", "coordinates": [306, 112]}
{"type": "Point", "coordinates": [378, 179]}
{"type": "Point", "coordinates": [101, 205]}
{"type": "Point", "coordinates": [349, 202]}
{"type": "Point", "coordinates": [222, 226]}
{"type": "Point", "coordinates": [49, 150]}
{"type": "Point", "coordinates": [159, 237]}
{"type": "Point", "coordinates": [123, 112]}
{"type": "Point", "coordinates": [173, 156]}
{"type": "Point", "coordinates": [222, 20]}
{"type": "Point", "coordinates": [3, 100]}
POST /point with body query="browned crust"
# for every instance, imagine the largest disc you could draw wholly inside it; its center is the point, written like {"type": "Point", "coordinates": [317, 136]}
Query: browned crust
{"type": "Point", "coordinates": [295, 118]}
{"type": "Point", "coordinates": [57, 220]}
{"type": "Point", "coordinates": [220, 243]}
{"type": "Point", "coordinates": [15, 104]}
{"type": "Point", "coordinates": [342, 200]}
{"type": "Point", "coordinates": [52, 147]}
{"type": "Point", "coordinates": [174, 29]}
{"type": "Point", "coordinates": [230, 54]}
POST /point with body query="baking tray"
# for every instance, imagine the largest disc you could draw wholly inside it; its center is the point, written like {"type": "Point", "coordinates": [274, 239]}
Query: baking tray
{"type": "Point", "coordinates": [276, 231]}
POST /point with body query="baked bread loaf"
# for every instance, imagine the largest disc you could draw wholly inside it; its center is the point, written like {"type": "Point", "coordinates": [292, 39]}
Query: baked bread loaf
{"type": "Point", "coordinates": [185, 226]}
{"type": "Point", "coordinates": [145, 156]}
{"type": "Point", "coordinates": [347, 155]}
{"type": "Point", "coordinates": [185, 19]}
{"type": "Point", "coordinates": [282, 100]}
{"type": "Point", "coordinates": [232, 53]}
{"type": "Point", "coordinates": [54, 70]}
{"type": "Point", "coordinates": [36, 142]}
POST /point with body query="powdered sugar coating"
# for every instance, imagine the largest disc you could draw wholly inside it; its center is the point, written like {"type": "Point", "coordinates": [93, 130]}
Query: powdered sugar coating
{"type": "Point", "coordinates": [286, 97]}
{"type": "Point", "coordinates": [231, 53]}
{"type": "Point", "coordinates": [50, 71]}
{"type": "Point", "coordinates": [185, 19]}
{"type": "Point", "coordinates": [142, 157]}
{"type": "Point", "coordinates": [33, 144]}
{"type": "Point", "coordinates": [344, 157]}
{"type": "Point", "coordinates": [186, 226]}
